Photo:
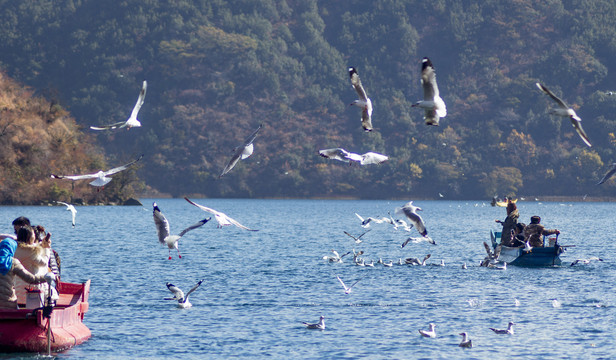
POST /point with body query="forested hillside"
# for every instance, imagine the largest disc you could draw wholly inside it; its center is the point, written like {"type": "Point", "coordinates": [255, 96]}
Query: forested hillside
{"type": "Point", "coordinates": [217, 69]}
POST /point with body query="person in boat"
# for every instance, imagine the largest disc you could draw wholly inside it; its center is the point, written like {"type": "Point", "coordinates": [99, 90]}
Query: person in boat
{"type": "Point", "coordinates": [34, 257]}
{"type": "Point", "coordinates": [535, 230]}
{"type": "Point", "coordinates": [509, 224]}
{"type": "Point", "coordinates": [54, 259]}
{"type": "Point", "coordinates": [9, 267]}
{"type": "Point", "coordinates": [18, 223]}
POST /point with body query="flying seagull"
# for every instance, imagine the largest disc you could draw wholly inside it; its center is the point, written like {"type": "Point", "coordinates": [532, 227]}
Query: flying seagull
{"type": "Point", "coordinates": [466, 342]}
{"type": "Point", "coordinates": [347, 289]}
{"type": "Point", "coordinates": [565, 111]}
{"type": "Point", "coordinates": [585, 261]}
{"type": "Point", "coordinates": [179, 294]}
{"type": "Point", "coordinates": [608, 174]}
{"type": "Point", "coordinates": [341, 154]}
{"type": "Point", "coordinates": [132, 120]}
{"type": "Point", "coordinates": [363, 102]}
{"type": "Point", "coordinates": [221, 218]}
{"type": "Point", "coordinates": [431, 333]}
{"type": "Point", "coordinates": [365, 223]}
{"type": "Point", "coordinates": [417, 240]}
{"type": "Point", "coordinates": [410, 211]}
{"type": "Point", "coordinates": [508, 330]}
{"type": "Point", "coordinates": [434, 107]}
{"type": "Point", "coordinates": [70, 208]}
{"type": "Point", "coordinates": [358, 238]}
{"type": "Point", "coordinates": [101, 178]}
{"type": "Point", "coordinates": [241, 152]}
{"type": "Point", "coordinates": [162, 228]}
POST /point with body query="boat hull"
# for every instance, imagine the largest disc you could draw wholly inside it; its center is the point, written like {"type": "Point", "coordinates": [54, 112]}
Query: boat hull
{"type": "Point", "coordinates": [25, 330]}
{"type": "Point", "coordinates": [538, 256]}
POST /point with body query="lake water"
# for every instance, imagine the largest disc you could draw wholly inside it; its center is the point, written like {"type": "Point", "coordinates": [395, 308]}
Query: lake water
{"type": "Point", "coordinates": [259, 286]}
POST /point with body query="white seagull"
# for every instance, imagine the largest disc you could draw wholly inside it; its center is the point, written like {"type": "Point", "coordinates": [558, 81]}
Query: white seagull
{"type": "Point", "coordinates": [101, 178]}
{"type": "Point", "coordinates": [416, 261]}
{"type": "Point", "coordinates": [341, 154]}
{"type": "Point", "coordinates": [162, 228]}
{"type": "Point", "coordinates": [179, 296]}
{"type": "Point", "coordinates": [417, 240]}
{"type": "Point", "coordinates": [565, 111]}
{"type": "Point", "coordinates": [410, 211]}
{"type": "Point", "coordinates": [431, 333]}
{"type": "Point", "coordinates": [358, 238]}
{"type": "Point", "coordinates": [70, 208]}
{"type": "Point", "coordinates": [608, 174]}
{"type": "Point", "coordinates": [466, 342]}
{"type": "Point", "coordinates": [241, 152]}
{"type": "Point", "coordinates": [319, 326]}
{"type": "Point", "coordinates": [363, 102]}
{"type": "Point", "coordinates": [434, 107]}
{"type": "Point", "coordinates": [508, 330]}
{"type": "Point", "coordinates": [585, 261]}
{"type": "Point", "coordinates": [132, 120]}
{"type": "Point", "coordinates": [347, 289]}
{"type": "Point", "coordinates": [221, 218]}
{"type": "Point", "coordinates": [365, 223]}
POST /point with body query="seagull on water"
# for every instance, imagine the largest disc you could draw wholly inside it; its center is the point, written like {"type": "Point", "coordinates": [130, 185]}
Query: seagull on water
{"type": "Point", "coordinates": [565, 111]}
{"type": "Point", "coordinates": [417, 240]}
{"type": "Point", "coordinates": [241, 152]}
{"type": "Point", "coordinates": [178, 294]}
{"type": "Point", "coordinates": [221, 218]}
{"type": "Point", "coordinates": [608, 174]}
{"type": "Point", "coordinates": [347, 289]}
{"type": "Point", "coordinates": [363, 102]}
{"type": "Point", "coordinates": [358, 238]}
{"type": "Point", "coordinates": [434, 107]}
{"type": "Point", "coordinates": [336, 258]}
{"type": "Point", "coordinates": [341, 154]}
{"type": "Point", "coordinates": [466, 342]}
{"type": "Point", "coordinates": [508, 330]}
{"type": "Point", "coordinates": [410, 211]}
{"type": "Point", "coordinates": [162, 228]}
{"type": "Point", "coordinates": [416, 261]}
{"type": "Point", "coordinates": [70, 208]}
{"type": "Point", "coordinates": [464, 267]}
{"type": "Point", "coordinates": [319, 326]}
{"type": "Point", "coordinates": [132, 120]}
{"type": "Point", "coordinates": [586, 261]}
{"type": "Point", "coordinates": [431, 333]}
{"type": "Point", "coordinates": [101, 178]}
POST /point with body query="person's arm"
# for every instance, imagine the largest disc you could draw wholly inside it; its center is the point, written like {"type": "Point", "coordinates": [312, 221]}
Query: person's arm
{"type": "Point", "coordinates": [25, 275]}
{"type": "Point", "coordinates": [9, 236]}
{"type": "Point", "coordinates": [548, 232]}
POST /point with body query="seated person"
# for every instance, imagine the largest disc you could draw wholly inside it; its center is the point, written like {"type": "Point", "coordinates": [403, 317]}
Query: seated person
{"type": "Point", "coordinates": [34, 256]}
{"type": "Point", "coordinates": [534, 231]}
{"type": "Point", "coordinates": [509, 224]}
{"type": "Point", "coordinates": [9, 267]}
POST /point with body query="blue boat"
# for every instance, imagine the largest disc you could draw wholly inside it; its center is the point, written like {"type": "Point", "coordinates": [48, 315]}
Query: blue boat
{"type": "Point", "coordinates": [538, 256]}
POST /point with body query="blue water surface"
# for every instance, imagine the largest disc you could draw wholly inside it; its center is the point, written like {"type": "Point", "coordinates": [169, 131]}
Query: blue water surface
{"type": "Point", "coordinates": [260, 286]}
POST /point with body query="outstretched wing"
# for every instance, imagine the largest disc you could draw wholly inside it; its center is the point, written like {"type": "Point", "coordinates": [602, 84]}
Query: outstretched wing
{"type": "Point", "coordinates": [356, 82]}
{"type": "Point", "coordinates": [123, 167]}
{"type": "Point", "coordinates": [194, 226]}
{"type": "Point", "coordinates": [140, 100]}
{"type": "Point", "coordinates": [109, 127]}
{"type": "Point", "coordinates": [193, 289]}
{"type": "Point", "coordinates": [560, 103]}
{"type": "Point", "coordinates": [161, 222]}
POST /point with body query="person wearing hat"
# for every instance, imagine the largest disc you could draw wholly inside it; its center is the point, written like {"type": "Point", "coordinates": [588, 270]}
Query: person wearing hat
{"type": "Point", "coordinates": [534, 231]}
{"type": "Point", "coordinates": [509, 224]}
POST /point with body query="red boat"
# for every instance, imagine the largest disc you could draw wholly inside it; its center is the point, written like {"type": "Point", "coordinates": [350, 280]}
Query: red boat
{"type": "Point", "coordinates": [25, 330]}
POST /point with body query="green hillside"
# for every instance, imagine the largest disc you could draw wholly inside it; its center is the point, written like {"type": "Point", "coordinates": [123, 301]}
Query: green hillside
{"type": "Point", "coordinates": [217, 69]}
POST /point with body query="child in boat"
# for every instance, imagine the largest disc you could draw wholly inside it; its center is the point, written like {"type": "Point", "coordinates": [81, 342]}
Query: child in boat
{"type": "Point", "coordinates": [534, 231]}
{"type": "Point", "coordinates": [34, 256]}
{"type": "Point", "coordinates": [509, 224]}
{"type": "Point", "coordinates": [9, 267]}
